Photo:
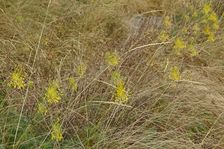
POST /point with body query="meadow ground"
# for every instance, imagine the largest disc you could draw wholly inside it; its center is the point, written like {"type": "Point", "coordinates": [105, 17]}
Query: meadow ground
{"type": "Point", "coordinates": [112, 74]}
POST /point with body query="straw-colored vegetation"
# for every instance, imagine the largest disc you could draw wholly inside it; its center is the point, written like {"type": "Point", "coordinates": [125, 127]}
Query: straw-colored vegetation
{"type": "Point", "coordinates": [112, 74]}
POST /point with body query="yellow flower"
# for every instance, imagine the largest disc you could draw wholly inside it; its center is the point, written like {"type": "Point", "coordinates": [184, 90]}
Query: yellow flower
{"type": "Point", "coordinates": [193, 51]}
{"type": "Point", "coordinates": [112, 58]}
{"type": "Point", "coordinates": [81, 69]}
{"type": "Point", "coordinates": [73, 84]}
{"type": "Point", "coordinates": [211, 37]}
{"type": "Point", "coordinates": [52, 94]}
{"type": "Point", "coordinates": [167, 22]}
{"type": "Point", "coordinates": [175, 74]}
{"type": "Point", "coordinates": [17, 79]}
{"type": "Point", "coordinates": [213, 17]}
{"type": "Point", "coordinates": [207, 8]}
{"type": "Point", "coordinates": [42, 109]}
{"type": "Point", "coordinates": [179, 45]}
{"type": "Point", "coordinates": [121, 94]}
{"type": "Point", "coordinates": [209, 33]}
{"type": "Point", "coordinates": [164, 36]}
{"type": "Point", "coordinates": [56, 133]}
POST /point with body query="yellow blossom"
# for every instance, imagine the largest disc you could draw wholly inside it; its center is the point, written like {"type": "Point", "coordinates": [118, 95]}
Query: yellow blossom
{"type": "Point", "coordinates": [167, 22]}
{"type": "Point", "coordinates": [179, 45]}
{"type": "Point", "coordinates": [193, 51]}
{"type": "Point", "coordinates": [41, 108]}
{"type": "Point", "coordinates": [164, 36]}
{"type": "Point", "coordinates": [56, 133]}
{"type": "Point", "coordinates": [121, 94]}
{"type": "Point", "coordinates": [213, 17]}
{"type": "Point", "coordinates": [17, 79]}
{"type": "Point", "coordinates": [81, 69]}
{"type": "Point", "coordinates": [73, 84]}
{"type": "Point", "coordinates": [112, 58]}
{"type": "Point", "coordinates": [207, 8]}
{"type": "Point", "coordinates": [52, 94]}
{"type": "Point", "coordinates": [175, 74]}
{"type": "Point", "coordinates": [209, 33]}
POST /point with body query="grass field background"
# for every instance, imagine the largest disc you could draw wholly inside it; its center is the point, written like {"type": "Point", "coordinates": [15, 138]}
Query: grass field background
{"type": "Point", "coordinates": [112, 74]}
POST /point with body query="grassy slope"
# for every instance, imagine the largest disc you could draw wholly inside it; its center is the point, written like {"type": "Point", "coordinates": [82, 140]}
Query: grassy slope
{"type": "Point", "coordinates": [49, 39]}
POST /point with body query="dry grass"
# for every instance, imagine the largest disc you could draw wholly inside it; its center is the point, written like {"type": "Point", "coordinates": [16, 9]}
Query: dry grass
{"type": "Point", "coordinates": [48, 40]}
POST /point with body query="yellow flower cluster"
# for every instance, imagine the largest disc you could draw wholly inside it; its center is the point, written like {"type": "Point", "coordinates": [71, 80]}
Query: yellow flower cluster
{"type": "Point", "coordinates": [56, 133]}
{"type": "Point", "coordinates": [120, 91]}
{"type": "Point", "coordinates": [121, 94]}
{"type": "Point", "coordinates": [73, 84]}
{"type": "Point", "coordinates": [163, 36]}
{"type": "Point", "coordinates": [211, 22]}
{"type": "Point", "coordinates": [193, 51]}
{"type": "Point", "coordinates": [175, 74]}
{"type": "Point", "coordinates": [52, 94]}
{"type": "Point", "coordinates": [111, 58]}
{"type": "Point", "coordinates": [209, 33]}
{"type": "Point", "coordinates": [17, 79]}
{"type": "Point", "coordinates": [179, 45]}
{"type": "Point", "coordinates": [81, 69]}
{"type": "Point", "coordinates": [207, 9]}
{"type": "Point", "coordinates": [167, 22]}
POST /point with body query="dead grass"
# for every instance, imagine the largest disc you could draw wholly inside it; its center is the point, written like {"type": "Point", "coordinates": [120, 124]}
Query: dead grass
{"type": "Point", "coordinates": [160, 113]}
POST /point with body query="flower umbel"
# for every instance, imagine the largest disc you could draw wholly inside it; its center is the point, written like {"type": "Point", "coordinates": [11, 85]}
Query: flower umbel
{"type": "Point", "coordinates": [112, 58]}
{"type": "Point", "coordinates": [56, 133]}
{"type": "Point", "coordinates": [193, 51]}
{"type": "Point", "coordinates": [175, 74]}
{"type": "Point", "coordinates": [52, 94]}
{"type": "Point", "coordinates": [121, 93]}
{"type": "Point", "coordinates": [72, 84]}
{"type": "Point", "coordinates": [163, 36]}
{"type": "Point", "coordinates": [179, 45]}
{"type": "Point", "coordinates": [167, 22]}
{"type": "Point", "coordinates": [17, 79]}
{"type": "Point", "coordinates": [207, 9]}
{"type": "Point", "coordinates": [81, 69]}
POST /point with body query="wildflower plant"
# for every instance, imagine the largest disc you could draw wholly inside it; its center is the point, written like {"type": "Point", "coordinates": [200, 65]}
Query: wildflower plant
{"type": "Point", "coordinates": [210, 22]}
{"type": "Point", "coordinates": [179, 45]}
{"type": "Point", "coordinates": [52, 94]}
{"type": "Point", "coordinates": [175, 74]}
{"type": "Point", "coordinates": [17, 80]}
{"type": "Point", "coordinates": [167, 22]}
{"type": "Point", "coordinates": [193, 51]}
{"type": "Point", "coordinates": [73, 84]}
{"type": "Point", "coordinates": [56, 133]}
{"type": "Point", "coordinates": [81, 69]}
{"type": "Point", "coordinates": [111, 58]}
{"type": "Point", "coordinates": [121, 93]}
{"type": "Point", "coordinates": [163, 36]}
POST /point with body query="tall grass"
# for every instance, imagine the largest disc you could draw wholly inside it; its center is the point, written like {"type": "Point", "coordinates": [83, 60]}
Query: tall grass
{"type": "Point", "coordinates": [118, 74]}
